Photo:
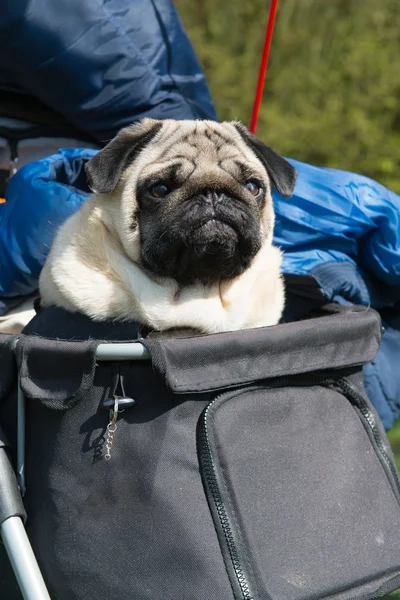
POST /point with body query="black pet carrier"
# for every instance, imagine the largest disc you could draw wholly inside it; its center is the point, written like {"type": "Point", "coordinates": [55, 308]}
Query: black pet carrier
{"type": "Point", "coordinates": [238, 466]}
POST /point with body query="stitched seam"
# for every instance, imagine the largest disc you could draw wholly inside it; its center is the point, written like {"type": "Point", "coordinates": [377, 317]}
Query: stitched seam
{"type": "Point", "coordinates": [119, 30]}
{"type": "Point", "coordinates": [164, 33]}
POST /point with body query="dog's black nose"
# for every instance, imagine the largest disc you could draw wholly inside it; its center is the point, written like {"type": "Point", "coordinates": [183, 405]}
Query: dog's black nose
{"type": "Point", "coordinates": [210, 196]}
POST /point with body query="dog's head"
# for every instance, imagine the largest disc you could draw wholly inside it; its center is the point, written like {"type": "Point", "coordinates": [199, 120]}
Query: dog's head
{"type": "Point", "coordinates": [195, 196]}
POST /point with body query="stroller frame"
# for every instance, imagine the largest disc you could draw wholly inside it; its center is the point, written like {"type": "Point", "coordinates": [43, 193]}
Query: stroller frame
{"type": "Point", "coordinates": [12, 530]}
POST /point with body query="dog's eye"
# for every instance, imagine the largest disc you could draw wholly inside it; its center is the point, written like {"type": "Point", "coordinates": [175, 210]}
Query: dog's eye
{"type": "Point", "coordinates": [253, 187]}
{"type": "Point", "coordinates": [159, 190]}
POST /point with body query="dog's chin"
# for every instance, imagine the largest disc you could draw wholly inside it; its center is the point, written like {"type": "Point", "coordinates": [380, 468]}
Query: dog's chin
{"type": "Point", "coordinates": [213, 251]}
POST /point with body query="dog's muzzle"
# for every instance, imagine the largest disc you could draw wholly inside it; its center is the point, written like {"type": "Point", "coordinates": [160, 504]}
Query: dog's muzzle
{"type": "Point", "coordinates": [212, 236]}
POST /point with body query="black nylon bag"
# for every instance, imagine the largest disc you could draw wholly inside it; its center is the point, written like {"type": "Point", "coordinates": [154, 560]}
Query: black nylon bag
{"type": "Point", "coordinates": [251, 466]}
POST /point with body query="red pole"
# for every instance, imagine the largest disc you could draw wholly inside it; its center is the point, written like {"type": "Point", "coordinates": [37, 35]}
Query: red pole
{"type": "Point", "coordinates": [263, 65]}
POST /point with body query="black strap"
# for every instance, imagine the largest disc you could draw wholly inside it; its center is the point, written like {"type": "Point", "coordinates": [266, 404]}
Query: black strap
{"type": "Point", "coordinates": [56, 372]}
{"type": "Point", "coordinates": [8, 367]}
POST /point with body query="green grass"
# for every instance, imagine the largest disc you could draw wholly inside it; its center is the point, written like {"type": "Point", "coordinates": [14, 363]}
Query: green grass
{"type": "Point", "coordinates": [394, 438]}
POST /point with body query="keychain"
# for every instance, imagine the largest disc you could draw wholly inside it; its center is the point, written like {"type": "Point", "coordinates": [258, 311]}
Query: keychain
{"type": "Point", "coordinates": [111, 428]}
{"type": "Point", "coordinates": [116, 406]}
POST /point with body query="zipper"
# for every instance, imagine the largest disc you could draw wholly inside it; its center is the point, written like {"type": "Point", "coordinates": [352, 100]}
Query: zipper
{"type": "Point", "coordinates": [230, 549]}
{"type": "Point", "coordinates": [232, 545]}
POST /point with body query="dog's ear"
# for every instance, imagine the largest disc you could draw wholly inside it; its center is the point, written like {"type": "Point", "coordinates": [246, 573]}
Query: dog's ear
{"type": "Point", "coordinates": [105, 169]}
{"type": "Point", "coordinates": [282, 173]}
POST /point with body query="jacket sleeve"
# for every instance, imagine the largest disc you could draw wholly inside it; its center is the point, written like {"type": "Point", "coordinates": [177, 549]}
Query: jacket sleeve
{"type": "Point", "coordinates": [103, 64]}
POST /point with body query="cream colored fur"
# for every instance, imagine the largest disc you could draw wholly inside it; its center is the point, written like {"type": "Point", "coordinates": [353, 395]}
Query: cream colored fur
{"type": "Point", "coordinates": [15, 320]}
{"type": "Point", "coordinates": [94, 264]}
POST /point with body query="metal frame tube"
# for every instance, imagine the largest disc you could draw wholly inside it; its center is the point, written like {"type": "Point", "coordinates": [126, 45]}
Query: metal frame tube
{"type": "Point", "coordinates": [132, 351]}
{"type": "Point", "coordinates": [21, 440]}
{"type": "Point", "coordinates": [123, 351]}
{"type": "Point", "coordinates": [12, 531]}
{"type": "Point", "coordinates": [23, 560]}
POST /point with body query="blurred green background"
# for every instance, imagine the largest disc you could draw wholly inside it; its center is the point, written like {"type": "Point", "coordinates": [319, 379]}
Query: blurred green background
{"type": "Point", "coordinates": [332, 94]}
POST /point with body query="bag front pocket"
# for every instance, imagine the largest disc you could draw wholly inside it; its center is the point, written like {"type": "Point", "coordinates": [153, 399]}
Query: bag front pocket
{"type": "Point", "coordinates": [303, 493]}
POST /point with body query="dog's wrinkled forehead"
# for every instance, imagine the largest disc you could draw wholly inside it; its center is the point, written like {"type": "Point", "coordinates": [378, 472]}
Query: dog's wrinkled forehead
{"type": "Point", "coordinates": [209, 154]}
{"type": "Point", "coordinates": [198, 148]}
{"type": "Point", "coordinates": [150, 145]}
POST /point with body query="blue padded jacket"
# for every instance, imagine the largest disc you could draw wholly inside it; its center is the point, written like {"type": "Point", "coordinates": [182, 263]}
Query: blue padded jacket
{"type": "Point", "coordinates": [101, 64]}
{"type": "Point", "coordinates": [340, 234]}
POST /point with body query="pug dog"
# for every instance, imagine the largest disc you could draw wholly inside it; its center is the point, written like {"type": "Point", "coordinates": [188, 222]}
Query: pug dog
{"type": "Point", "coordinates": [178, 232]}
